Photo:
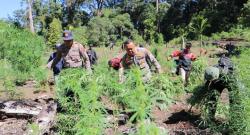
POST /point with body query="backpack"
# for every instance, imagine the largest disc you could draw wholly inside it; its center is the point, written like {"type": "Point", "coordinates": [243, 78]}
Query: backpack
{"type": "Point", "coordinates": [115, 63]}
{"type": "Point", "coordinates": [185, 63]}
{"type": "Point", "coordinates": [92, 57]}
{"type": "Point", "coordinates": [225, 65]}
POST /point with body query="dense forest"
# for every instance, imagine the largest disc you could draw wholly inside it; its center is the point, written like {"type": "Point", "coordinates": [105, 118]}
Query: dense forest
{"type": "Point", "coordinates": [101, 22]}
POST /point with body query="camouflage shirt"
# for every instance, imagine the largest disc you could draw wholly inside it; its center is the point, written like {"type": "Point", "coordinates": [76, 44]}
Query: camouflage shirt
{"type": "Point", "coordinates": [74, 56]}
{"type": "Point", "coordinates": [140, 60]}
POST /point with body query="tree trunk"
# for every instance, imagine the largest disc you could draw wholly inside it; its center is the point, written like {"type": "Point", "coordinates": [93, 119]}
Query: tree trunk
{"type": "Point", "coordinates": [157, 6]}
{"type": "Point", "coordinates": [200, 43]}
{"type": "Point", "coordinates": [31, 25]}
{"type": "Point", "coordinates": [183, 42]}
{"type": "Point", "coordinates": [99, 7]}
{"type": "Point", "coordinates": [157, 10]}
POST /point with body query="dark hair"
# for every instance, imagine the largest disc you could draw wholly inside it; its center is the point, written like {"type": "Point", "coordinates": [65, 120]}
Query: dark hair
{"type": "Point", "coordinates": [188, 45]}
{"type": "Point", "coordinates": [127, 42]}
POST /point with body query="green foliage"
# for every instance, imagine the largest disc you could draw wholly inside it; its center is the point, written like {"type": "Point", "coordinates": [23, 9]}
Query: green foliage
{"type": "Point", "coordinates": [197, 25]}
{"type": "Point", "coordinates": [244, 19]}
{"type": "Point", "coordinates": [40, 76]}
{"type": "Point", "coordinates": [145, 17]}
{"type": "Point", "coordinates": [137, 98]}
{"type": "Point", "coordinates": [148, 128]}
{"type": "Point", "coordinates": [7, 78]}
{"type": "Point", "coordinates": [175, 42]}
{"type": "Point", "coordinates": [80, 35]}
{"type": "Point", "coordinates": [197, 73]}
{"type": "Point", "coordinates": [33, 129]}
{"type": "Point", "coordinates": [235, 32]}
{"type": "Point", "coordinates": [242, 114]}
{"type": "Point", "coordinates": [78, 95]}
{"type": "Point", "coordinates": [123, 25]}
{"type": "Point", "coordinates": [163, 89]}
{"type": "Point", "coordinates": [21, 49]}
{"type": "Point", "coordinates": [148, 20]}
{"type": "Point", "coordinates": [159, 39]}
{"type": "Point", "coordinates": [54, 32]}
{"type": "Point", "coordinates": [111, 27]}
{"type": "Point", "coordinates": [99, 28]}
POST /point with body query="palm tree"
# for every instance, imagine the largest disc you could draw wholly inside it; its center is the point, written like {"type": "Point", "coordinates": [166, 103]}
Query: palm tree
{"type": "Point", "coordinates": [197, 25]}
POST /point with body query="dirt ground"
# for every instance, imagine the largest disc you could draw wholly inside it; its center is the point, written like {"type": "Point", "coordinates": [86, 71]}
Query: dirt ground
{"type": "Point", "coordinates": [178, 119]}
{"type": "Point", "coordinates": [29, 91]}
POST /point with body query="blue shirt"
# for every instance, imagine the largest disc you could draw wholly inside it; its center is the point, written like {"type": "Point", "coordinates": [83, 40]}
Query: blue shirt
{"type": "Point", "coordinates": [57, 69]}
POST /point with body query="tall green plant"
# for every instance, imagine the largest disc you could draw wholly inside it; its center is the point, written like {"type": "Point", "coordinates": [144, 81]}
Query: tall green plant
{"type": "Point", "coordinates": [54, 32]}
{"type": "Point", "coordinates": [22, 49]}
{"type": "Point", "coordinates": [197, 25]}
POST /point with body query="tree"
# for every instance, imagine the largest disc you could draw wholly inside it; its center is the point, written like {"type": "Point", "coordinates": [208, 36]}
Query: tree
{"type": "Point", "coordinates": [81, 35]}
{"type": "Point", "coordinates": [71, 9]}
{"type": "Point", "coordinates": [197, 25]}
{"type": "Point", "coordinates": [54, 32]}
{"type": "Point", "coordinates": [18, 18]}
{"type": "Point", "coordinates": [100, 30]}
{"type": "Point", "coordinates": [182, 32]}
{"type": "Point", "coordinates": [148, 22]}
{"type": "Point", "coordinates": [245, 17]}
{"type": "Point", "coordinates": [31, 25]}
{"type": "Point", "coordinates": [123, 25]}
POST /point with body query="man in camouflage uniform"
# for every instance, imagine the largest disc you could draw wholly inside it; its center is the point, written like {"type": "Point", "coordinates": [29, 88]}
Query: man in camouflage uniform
{"type": "Point", "coordinates": [73, 53]}
{"type": "Point", "coordinates": [218, 78]}
{"type": "Point", "coordinates": [136, 56]}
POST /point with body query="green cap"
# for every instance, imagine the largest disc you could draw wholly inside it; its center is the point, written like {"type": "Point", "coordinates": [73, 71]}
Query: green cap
{"type": "Point", "coordinates": [212, 73]}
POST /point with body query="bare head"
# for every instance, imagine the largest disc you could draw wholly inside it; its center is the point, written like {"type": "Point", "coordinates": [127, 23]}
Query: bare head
{"type": "Point", "coordinates": [90, 47]}
{"type": "Point", "coordinates": [130, 47]}
{"type": "Point", "coordinates": [188, 47]}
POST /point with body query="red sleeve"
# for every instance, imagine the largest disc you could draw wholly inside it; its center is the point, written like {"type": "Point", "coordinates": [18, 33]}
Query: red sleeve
{"type": "Point", "coordinates": [193, 57]}
{"type": "Point", "coordinates": [176, 53]}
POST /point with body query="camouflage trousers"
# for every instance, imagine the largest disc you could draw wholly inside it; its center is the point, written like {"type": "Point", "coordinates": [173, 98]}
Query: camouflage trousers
{"type": "Point", "coordinates": [146, 75]}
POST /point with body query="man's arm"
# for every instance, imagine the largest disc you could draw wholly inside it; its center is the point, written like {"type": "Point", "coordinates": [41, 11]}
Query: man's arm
{"type": "Point", "coordinates": [85, 57]}
{"type": "Point", "coordinates": [57, 59]}
{"type": "Point", "coordinates": [154, 61]}
{"type": "Point", "coordinates": [174, 54]}
{"type": "Point", "coordinates": [95, 55]}
{"type": "Point", "coordinates": [193, 57]}
{"type": "Point", "coordinates": [52, 56]}
{"type": "Point", "coordinates": [121, 73]}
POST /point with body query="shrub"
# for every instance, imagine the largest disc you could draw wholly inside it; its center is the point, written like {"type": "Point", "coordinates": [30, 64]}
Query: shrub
{"type": "Point", "coordinates": [54, 33]}
{"type": "Point", "coordinates": [80, 35]}
{"type": "Point", "coordinates": [22, 49]}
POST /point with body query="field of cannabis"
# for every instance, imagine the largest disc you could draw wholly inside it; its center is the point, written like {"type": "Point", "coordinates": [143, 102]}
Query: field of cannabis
{"type": "Point", "coordinates": [94, 104]}
{"type": "Point", "coordinates": [97, 104]}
